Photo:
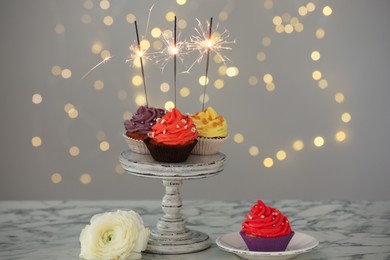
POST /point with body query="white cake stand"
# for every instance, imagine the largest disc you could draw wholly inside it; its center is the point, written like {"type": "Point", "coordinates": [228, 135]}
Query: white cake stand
{"type": "Point", "coordinates": [171, 235]}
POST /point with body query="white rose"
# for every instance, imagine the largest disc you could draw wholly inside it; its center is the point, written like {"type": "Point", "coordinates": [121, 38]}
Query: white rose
{"type": "Point", "coordinates": [114, 235]}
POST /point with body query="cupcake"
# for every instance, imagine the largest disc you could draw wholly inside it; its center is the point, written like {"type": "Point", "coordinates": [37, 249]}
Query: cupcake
{"type": "Point", "coordinates": [172, 138]}
{"type": "Point", "coordinates": [212, 129]}
{"type": "Point", "coordinates": [266, 229]}
{"type": "Point", "coordinates": [139, 125]}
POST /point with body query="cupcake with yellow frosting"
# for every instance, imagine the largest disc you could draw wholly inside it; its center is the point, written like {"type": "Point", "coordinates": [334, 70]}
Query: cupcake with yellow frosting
{"type": "Point", "coordinates": [212, 130]}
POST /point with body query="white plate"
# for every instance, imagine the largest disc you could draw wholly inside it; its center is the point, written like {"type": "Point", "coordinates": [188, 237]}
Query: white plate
{"type": "Point", "coordinates": [300, 243]}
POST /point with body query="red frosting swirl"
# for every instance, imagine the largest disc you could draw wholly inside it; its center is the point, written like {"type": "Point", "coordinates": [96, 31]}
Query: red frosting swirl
{"type": "Point", "coordinates": [174, 129]}
{"type": "Point", "coordinates": [264, 221]}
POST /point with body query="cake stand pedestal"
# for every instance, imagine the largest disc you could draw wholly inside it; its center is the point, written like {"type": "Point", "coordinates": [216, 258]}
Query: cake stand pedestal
{"type": "Point", "coordinates": [171, 235]}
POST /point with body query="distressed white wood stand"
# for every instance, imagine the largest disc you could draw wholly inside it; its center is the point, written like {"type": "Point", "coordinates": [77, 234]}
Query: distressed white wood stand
{"type": "Point", "coordinates": [171, 235]}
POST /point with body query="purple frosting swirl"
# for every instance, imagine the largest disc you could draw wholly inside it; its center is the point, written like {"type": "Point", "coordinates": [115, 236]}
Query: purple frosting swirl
{"type": "Point", "coordinates": [143, 120]}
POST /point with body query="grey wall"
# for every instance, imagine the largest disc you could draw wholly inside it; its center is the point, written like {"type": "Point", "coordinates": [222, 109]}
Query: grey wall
{"type": "Point", "coordinates": [355, 61]}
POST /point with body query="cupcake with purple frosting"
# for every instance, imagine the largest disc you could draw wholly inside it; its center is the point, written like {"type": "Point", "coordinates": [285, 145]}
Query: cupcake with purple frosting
{"type": "Point", "coordinates": [139, 125]}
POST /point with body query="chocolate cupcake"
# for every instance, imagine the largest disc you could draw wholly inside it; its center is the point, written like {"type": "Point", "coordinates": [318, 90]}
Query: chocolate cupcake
{"type": "Point", "coordinates": [172, 138]}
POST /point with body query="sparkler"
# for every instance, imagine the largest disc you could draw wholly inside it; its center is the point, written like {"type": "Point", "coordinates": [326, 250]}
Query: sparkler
{"type": "Point", "coordinates": [167, 53]}
{"type": "Point", "coordinates": [203, 43]}
{"type": "Point", "coordinates": [139, 54]}
{"type": "Point", "coordinates": [174, 58]}
{"type": "Point", "coordinates": [206, 42]}
{"type": "Point", "coordinates": [174, 49]}
{"type": "Point", "coordinates": [209, 44]}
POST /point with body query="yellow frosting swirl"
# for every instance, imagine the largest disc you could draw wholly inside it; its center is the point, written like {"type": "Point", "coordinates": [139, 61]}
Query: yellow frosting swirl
{"type": "Point", "coordinates": [209, 124]}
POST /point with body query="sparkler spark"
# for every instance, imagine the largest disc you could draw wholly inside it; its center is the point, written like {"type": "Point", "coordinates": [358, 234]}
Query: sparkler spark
{"type": "Point", "coordinates": [97, 65]}
{"type": "Point", "coordinates": [203, 43]}
{"type": "Point", "coordinates": [170, 50]}
{"type": "Point", "coordinates": [137, 53]}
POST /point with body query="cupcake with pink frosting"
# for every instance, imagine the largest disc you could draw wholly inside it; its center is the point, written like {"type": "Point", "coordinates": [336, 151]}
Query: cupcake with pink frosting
{"type": "Point", "coordinates": [139, 125]}
{"type": "Point", "coordinates": [266, 229]}
{"type": "Point", "coordinates": [172, 138]}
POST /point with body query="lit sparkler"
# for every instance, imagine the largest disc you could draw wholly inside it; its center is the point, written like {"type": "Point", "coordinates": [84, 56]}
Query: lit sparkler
{"type": "Point", "coordinates": [205, 42]}
{"type": "Point", "coordinates": [137, 52]}
{"type": "Point", "coordinates": [174, 58]}
{"type": "Point", "coordinates": [209, 44]}
{"type": "Point", "coordinates": [170, 50]}
{"type": "Point", "coordinates": [174, 50]}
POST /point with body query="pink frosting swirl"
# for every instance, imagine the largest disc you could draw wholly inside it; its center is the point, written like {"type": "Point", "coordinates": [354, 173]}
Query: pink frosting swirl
{"type": "Point", "coordinates": [264, 221]}
{"type": "Point", "coordinates": [174, 129]}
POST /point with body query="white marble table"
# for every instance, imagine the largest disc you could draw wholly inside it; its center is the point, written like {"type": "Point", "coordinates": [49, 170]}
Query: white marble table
{"type": "Point", "coordinates": [51, 229]}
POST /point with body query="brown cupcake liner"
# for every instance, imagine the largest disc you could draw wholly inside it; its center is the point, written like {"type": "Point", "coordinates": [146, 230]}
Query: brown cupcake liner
{"type": "Point", "coordinates": [169, 153]}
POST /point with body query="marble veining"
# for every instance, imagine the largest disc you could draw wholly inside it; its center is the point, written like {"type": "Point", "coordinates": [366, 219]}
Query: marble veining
{"type": "Point", "coordinates": [50, 229]}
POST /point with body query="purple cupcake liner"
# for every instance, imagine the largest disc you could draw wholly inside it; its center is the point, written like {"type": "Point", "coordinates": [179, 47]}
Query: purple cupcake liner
{"type": "Point", "coordinates": [267, 244]}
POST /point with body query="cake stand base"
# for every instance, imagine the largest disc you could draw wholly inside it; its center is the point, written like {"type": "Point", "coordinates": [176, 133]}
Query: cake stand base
{"type": "Point", "coordinates": [169, 244]}
{"type": "Point", "coordinates": [171, 236]}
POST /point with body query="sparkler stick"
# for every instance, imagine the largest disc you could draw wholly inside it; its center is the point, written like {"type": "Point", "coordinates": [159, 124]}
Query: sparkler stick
{"type": "Point", "coordinates": [207, 62]}
{"type": "Point", "coordinates": [140, 58]}
{"type": "Point", "coordinates": [174, 59]}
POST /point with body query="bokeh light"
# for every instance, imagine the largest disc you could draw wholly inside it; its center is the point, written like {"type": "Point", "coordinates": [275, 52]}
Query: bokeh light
{"type": "Point", "coordinates": [119, 169]}
{"type": "Point", "coordinates": [36, 141]}
{"type": "Point", "coordinates": [104, 146]}
{"type": "Point", "coordinates": [66, 73]}
{"type": "Point", "coordinates": [37, 99]}
{"type": "Point", "coordinates": [130, 18]}
{"type": "Point", "coordinates": [74, 151]}
{"type": "Point", "coordinates": [268, 162]}
{"type": "Point", "coordinates": [346, 117]}
{"type": "Point", "coordinates": [56, 178]}
{"type": "Point", "coordinates": [281, 155]}
{"type": "Point", "coordinates": [319, 141]}
{"type": "Point", "coordinates": [169, 105]}
{"type": "Point", "coordinates": [184, 92]}
{"type": "Point", "coordinates": [85, 178]}
{"type": "Point", "coordinates": [98, 85]}
{"type": "Point", "coordinates": [219, 84]}
{"type": "Point", "coordinates": [254, 150]}
{"type": "Point", "coordinates": [59, 29]}
{"type": "Point", "coordinates": [298, 145]}
{"type": "Point", "coordinates": [238, 138]}
{"type": "Point", "coordinates": [339, 97]}
{"type": "Point", "coordinates": [340, 136]}
{"type": "Point", "coordinates": [164, 87]}
{"type": "Point", "coordinates": [327, 10]}
{"type": "Point", "coordinates": [140, 100]}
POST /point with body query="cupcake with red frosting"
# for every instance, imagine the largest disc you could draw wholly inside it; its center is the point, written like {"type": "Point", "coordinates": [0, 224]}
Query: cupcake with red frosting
{"type": "Point", "coordinates": [212, 130]}
{"type": "Point", "coordinates": [172, 138]}
{"type": "Point", "coordinates": [139, 125]}
{"type": "Point", "coordinates": [266, 229]}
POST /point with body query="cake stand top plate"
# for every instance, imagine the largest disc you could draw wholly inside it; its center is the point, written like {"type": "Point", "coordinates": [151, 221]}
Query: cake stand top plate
{"type": "Point", "coordinates": [195, 167]}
